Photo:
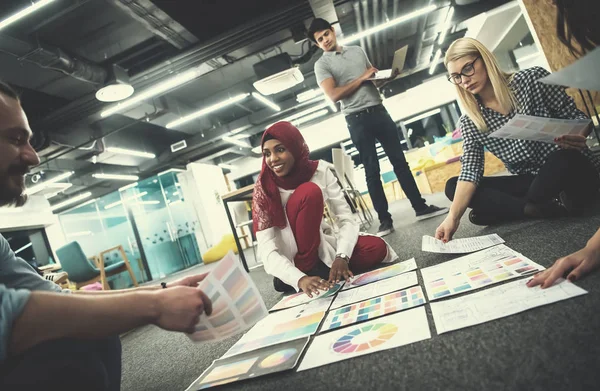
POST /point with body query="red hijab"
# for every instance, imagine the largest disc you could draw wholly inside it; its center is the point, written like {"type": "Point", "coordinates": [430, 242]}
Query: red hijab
{"type": "Point", "coordinates": [267, 209]}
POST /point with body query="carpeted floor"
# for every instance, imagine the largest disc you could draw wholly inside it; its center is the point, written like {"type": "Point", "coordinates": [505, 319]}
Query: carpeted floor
{"type": "Point", "coordinates": [551, 347]}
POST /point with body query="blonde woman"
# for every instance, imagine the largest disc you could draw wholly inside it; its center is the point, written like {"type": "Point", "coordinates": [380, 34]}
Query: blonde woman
{"type": "Point", "coordinates": [550, 180]}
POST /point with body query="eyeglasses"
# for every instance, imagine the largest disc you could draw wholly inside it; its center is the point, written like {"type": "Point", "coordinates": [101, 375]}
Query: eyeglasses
{"type": "Point", "coordinates": [467, 70]}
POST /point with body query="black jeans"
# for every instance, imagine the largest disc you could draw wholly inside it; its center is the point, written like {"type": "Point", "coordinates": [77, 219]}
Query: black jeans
{"type": "Point", "coordinates": [93, 365]}
{"type": "Point", "coordinates": [505, 196]}
{"type": "Point", "coordinates": [376, 124]}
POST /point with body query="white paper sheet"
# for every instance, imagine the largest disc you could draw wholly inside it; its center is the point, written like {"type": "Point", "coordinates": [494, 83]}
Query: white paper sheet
{"type": "Point", "coordinates": [379, 334]}
{"type": "Point", "coordinates": [381, 274]}
{"type": "Point", "coordinates": [237, 303]}
{"type": "Point", "coordinates": [302, 298]}
{"type": "Point", "coordinates": [583, 73]}
{"type": "Point", "coordinates": [458, 246]}
{"type": "Point", "coordinates": [498, 302]}
{"type": "Point", "coordinates": [526, 127]}
{"type": "Point", "coordinates": [378, 288]}
{"type": "Point", "coordinates": [474, 271]}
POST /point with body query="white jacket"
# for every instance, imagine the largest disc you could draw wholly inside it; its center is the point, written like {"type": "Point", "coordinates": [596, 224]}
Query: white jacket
{"type": "Point", "coordinates": [277, 247]}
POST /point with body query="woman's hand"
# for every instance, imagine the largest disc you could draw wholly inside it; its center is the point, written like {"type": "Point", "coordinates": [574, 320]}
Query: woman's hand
{"type": "Point", "coordinates": [577, 265]}
{"type": "Point", "coordinates": [312, 285]}
{"type": "Point", "coordinates": [447, 229]}
{"type": "Point", "coordinates": [339, 270]}
{"type": "Point", "coordinates": [572, 141]}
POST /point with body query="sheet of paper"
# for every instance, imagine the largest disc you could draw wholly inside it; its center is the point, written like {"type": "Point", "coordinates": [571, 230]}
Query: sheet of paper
{"type": "Point", "coordinates": [278, 327]}
{"type": "Point", "coordinates": [460, 246]}
{"type": "Point", "coordinates": [374, 289]}
{"type": "Point", "coordinates": [265, 361]}
{"type": "Point", "coordinates": [526, 127]}
{"type": "Point", "coordinates": [302, 298]}
{"type": "Point", "coordinates": [375, 335]}
{"type": "Point", "coordinates": [374, 308]}
{"type": "Point", "coordinates": [498, 302]}
{"type": "Point", "coordinates": [381, 274]}
{"type": "Point", "coordinates": [474, 271]}
{"type": "Point", "coordinates": [237, 303]}
{"type": "Point", "coordinates": [583, 73]}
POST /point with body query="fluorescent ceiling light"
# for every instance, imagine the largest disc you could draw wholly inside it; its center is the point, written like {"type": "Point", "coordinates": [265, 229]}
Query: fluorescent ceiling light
{"type": "Point", "coordinates": [224, 165]}
{"type": "Point", "coordinates": [292, 117]}
{"type": "Point", "coordinates": [25, 247]}
{"type": "Point", "coordinates": [391, 23]}
{"type": "Point", "coordinates": [175, 202]}
{"type": "Point", "coordinates": [435, 61]}
{"type": "Point", "coordinates": [308, 95]}
{"type": "Point", "coordinates": [151, 202]}
{"type": "Point", "coordinates": [279, 82]}
{"type": "Point", "coordinates": [234, 141]}
{"type": "Point", "coordinates": [446, 26]}
{"type": "Point", "coordinates": [354, 153]}
{"type": "Point", "coordinates": [112, 205]}
{"type": "Point", "coordinates": [43, 185]}
{"type": "Point", "coordinates": [152, 92]}
{"type": "Point", "coordinates": [130, 152]}
{"type": "Point", "coordinates": [170, 170]}
{"type": "Point", "coordinates": [23, 13]}
{"type": "Point", "coordinates": [207, 110]}
{"type": "Point", "coordinates": [71, 200]}
{"type": "Point", "coordinates": [346, 143]}
{"type": "Point", "coordinates": [134, 184]}
{"type": "Point", "coordinates": [310, 117]}
{"type": "Point", "coordinates": [80, 233]}
{"type": "Point", "coordinates": [265, 101]}
{"type": "Point", "coordinates": [118, 177]}
{"type": "Point", "coordinates": [420, 117]}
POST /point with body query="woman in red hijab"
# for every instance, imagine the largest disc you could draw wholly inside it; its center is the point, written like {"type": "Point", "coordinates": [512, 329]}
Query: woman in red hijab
{"type": "Point", "coordinates": [296, 245]}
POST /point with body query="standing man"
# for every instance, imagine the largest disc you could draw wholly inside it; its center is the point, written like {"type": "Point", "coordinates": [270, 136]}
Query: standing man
{"type": "Point", "coordinates": [343, 73]}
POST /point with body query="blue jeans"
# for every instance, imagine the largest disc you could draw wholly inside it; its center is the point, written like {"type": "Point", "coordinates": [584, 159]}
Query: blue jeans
{"type": "Point", "coordinates": [365, 128]}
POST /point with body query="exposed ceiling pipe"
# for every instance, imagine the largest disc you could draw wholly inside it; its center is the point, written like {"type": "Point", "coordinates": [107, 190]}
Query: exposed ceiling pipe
{"type": "Point", "coordinates": [413, 61]}
{"type": "Point", "coordinates": [377, 59]}
{"type": "Point", "coordinates": [359, 23]}
{"type": "Point", "coordinates": [366, 25]}
{"type": "Point", "coordinates": [50, 57]}
{"type": "Point", "coordinates": [395, 28]}
{"type": "Point", "coordinates": [385, 33]}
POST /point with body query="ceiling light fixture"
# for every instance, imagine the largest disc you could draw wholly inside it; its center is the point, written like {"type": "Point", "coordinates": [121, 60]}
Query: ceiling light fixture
{"type": "Point", "coordinates": [80, 233]}
{"type": "Point", "coordinates": [446, 26]}
{"type": "Point", "coordinates": [310, 117]}
{"type": "Point", "coordinates": [117, 88]}
{"type": "Point", "coordinates": [71, 201]}
{"type": "Point", "coordinates": [207, 110]}
{"type": "Point", "coordinates": [308, 95]}
{"type": "Point", "coordinates": [23, 13]}
{"type": "Point", "coordinates": [265, 101]}
{"type": "Point", "coordinates": [43, 185]}
{"type": "Point", "coordinates": [151, 92]}
{"type": "Point", "coordinates": [150, 202]}
{"type": "Point", "coordinates": [391, 23]}
{"type": "Point", "coordinates": [112, 205]}
{"type": "Point", "coordinates": [435, 61]}
{"type": "Point", "coordinates": [25, 247]}
{"type": "Point", "coordinates": [130, 152]}
{"type": "Point", "coordinates": [170, 170]}
{"type": "Point", "coordinates": [134, 184]}
{"type": "Point", "coordinates": [237, 142]}
{"type": "Point", "coordinates": [118, 177]}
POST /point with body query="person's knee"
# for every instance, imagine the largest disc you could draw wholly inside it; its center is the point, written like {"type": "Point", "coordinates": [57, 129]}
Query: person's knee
{"type": "Point", "coordinates": [310, 190]}
{"type": "Point", "coordinates": [451, 188]}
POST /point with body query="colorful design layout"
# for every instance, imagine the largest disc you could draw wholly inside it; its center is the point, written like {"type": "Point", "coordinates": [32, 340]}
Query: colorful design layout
{"type": "Point", "coordinates": [392, 331]}
{"type": "Point", "coordinates": [253, 364]}
{"type": "Point", "coordinates": [527, 127]}
{"type": "Point", "coordinates": [302, 298]}
{"type": "Point", "coordinates": [374, 308]}
{"type": "Point", "coordinates": [381, 274]}
{"type": "Point", "coordinates": [475, 271]}
{"type": "Point", "coordinates": [237, 303]}
{"type": "Point", "coordinates": [278, 327]}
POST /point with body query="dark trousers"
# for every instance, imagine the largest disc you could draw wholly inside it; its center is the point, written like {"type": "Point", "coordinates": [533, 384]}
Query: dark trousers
{"type": "Point", "coordinates": [505, 196]}
{"type": "Point", "coordinates": [93, 365]}
{"type": "Point", "coordinates": [367, 127]}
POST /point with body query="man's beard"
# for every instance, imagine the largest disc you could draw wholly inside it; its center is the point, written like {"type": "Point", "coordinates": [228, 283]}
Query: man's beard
{"type": "Point", "coordinates": [12, 194]}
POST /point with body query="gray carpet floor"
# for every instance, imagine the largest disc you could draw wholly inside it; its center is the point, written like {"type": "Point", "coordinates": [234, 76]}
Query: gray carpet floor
{"type": "Point", "coordinates": [551, 347]}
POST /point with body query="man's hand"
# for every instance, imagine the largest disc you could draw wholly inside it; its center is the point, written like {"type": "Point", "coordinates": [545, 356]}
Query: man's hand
{"type": "Point", "coordinates": [312, 285]}
{"type": "Point", "coordinates": [572, 141]}
{"type": "Point", "coordinates": [447, 229]}
{"type": "Point", "coordinates": [576, 265]}
{"type": "Point", "coordinates": [179, 308]}
{"type": "Point", "coordinates": [339, 270]}
{"type": "Point", "coordinates": [369, 73]}
{"type": "Point", "coordinates": [191, 281]}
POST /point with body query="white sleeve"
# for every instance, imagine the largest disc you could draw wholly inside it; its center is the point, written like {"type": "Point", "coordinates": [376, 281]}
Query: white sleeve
{"type": "Point", "coordinates": [276, 264]}
{"type": "Point", "coordinates": [349, 228]}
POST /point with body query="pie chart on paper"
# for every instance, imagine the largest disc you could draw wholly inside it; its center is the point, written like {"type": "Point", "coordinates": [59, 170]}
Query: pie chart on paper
{"type": "Point", "coordinates": [364, 338]}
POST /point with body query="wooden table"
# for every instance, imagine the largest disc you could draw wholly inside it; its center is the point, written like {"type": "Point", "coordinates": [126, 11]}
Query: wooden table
{"type": "Point", "coordinates": [243, 194]}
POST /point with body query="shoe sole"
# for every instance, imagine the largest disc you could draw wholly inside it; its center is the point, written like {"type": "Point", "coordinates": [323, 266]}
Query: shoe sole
{"type": "Point", "coordinates": [443, 211]}
{"type": "Point", "coordinates": [384, 233]}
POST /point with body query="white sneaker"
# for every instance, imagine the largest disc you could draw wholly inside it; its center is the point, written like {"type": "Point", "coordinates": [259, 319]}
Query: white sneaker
{"type": "Point", "coordinates": [57, 278]}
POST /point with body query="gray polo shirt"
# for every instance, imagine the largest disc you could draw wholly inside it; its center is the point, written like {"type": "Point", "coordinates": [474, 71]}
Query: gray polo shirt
{"type": "Point", "coordinates": [345, 67]}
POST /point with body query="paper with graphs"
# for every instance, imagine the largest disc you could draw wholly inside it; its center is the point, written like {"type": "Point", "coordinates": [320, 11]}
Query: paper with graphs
{"type": "Point", "coordinates": [460, 246]}
{"type": "Point", "coordinates": [527, 127]}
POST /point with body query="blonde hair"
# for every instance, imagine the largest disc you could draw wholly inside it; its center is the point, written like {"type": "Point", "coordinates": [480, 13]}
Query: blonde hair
{"type": "Point", "coordinates": [506, 98]}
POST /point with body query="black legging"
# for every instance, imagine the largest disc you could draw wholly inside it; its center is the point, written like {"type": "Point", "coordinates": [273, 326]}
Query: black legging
{"type": "Point", "coordinates": [505, 196]}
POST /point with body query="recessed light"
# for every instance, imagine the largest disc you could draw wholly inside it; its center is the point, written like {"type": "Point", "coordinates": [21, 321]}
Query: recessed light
{"type": "Point", "coordinates": [114, 92]}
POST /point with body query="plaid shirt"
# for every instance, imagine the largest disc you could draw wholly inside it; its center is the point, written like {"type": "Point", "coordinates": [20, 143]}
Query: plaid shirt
{"type": "Point", "coordinates": [519, 156]}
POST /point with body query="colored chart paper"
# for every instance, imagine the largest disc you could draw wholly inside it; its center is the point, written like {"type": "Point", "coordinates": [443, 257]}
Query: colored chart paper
{"type": "Point", "coordinates": [237, 303]}
{"type": "Point", "coordinates": [375, 289]}
{"type": "Point", "coordinates": [474, 271]}
{"type": "Point", "coordinates": [458, 246]}
{"type": "Point", "coordinates": [272, 359]}
{"type": "Point", "coordinates": [498, 302]}
{"type": "Point", "coordinates": [381, 274]}
{"type": "Point", "coordinates": [375, 335]}
{"type": "Point", "coordinates": [279, 327]}
{"type": "Point", "coordinates": [374, 308]}
{"type": "Point", "coordinates": [527, 127]}
{"type": "Point", "coordinates": [302, 298]}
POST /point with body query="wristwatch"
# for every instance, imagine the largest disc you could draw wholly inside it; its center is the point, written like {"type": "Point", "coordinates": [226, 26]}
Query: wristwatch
{"type": "Point", "coordinates": [343, 256]}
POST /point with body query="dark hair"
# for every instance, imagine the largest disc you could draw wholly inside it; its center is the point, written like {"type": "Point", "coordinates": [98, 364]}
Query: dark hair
{"type": "Point", "coordinates": [317, 25]}
{"type": "Point", "coordinates": [578, 22]}
{"type": "Point", "coordinates": [7, 90]}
